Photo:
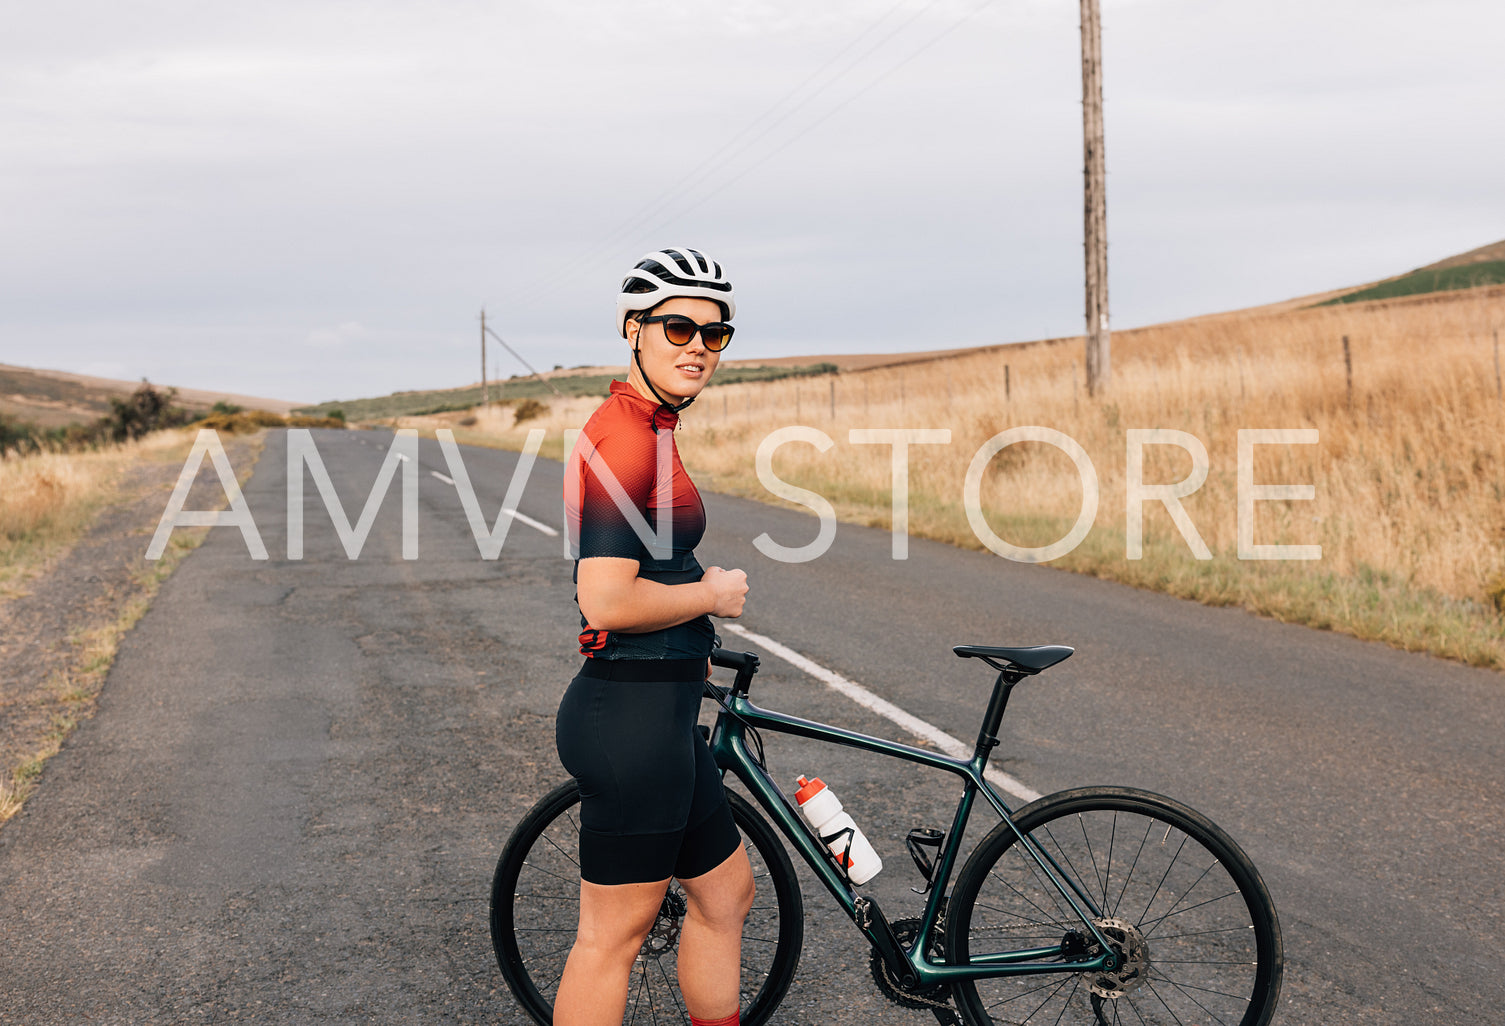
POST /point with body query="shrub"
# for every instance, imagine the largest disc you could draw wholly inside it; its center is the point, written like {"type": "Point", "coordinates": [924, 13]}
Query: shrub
{"type": "Point", "coordinates": [245, 420]}
{"type": "Point", "coordinates": [1495, 592]}
{"type": "Point", "coordinates": [528, 409]}
{"type": "Point", "coordinates": [16, 434]}
{"type": "Point", "coordinates": [220, 406]}
{"type": "Point", "coordinates": [146, 410]}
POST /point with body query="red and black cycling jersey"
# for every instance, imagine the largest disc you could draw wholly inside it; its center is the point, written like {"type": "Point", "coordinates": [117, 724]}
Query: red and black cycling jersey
{"type": "Point", "coordinates": [618, 504]}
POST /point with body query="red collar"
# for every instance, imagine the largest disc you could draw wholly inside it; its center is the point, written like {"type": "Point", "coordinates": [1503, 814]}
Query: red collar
{"type": "Point", "coordinates": [663, 418]}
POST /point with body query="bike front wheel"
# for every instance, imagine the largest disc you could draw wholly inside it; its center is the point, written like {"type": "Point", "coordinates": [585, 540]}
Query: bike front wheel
{"type": "Point", "coordinates": [1176, 897]}
{"type": "Point", "coordinates": [535, 908]}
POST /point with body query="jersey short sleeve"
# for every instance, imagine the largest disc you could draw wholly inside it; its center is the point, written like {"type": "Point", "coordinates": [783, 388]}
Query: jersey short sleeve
{"type": "Point", "coordinates": [609, 517]}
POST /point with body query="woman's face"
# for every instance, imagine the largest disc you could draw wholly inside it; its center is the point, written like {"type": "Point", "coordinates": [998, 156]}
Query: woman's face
{"type": "Point", "coordinates": [679, 372]}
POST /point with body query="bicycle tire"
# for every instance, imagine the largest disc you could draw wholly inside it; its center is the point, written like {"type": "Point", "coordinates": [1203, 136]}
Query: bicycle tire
{"type": "Point", "coordinates": [537, 882]}
{"type": "Point", "coordinates": [1152, 866]}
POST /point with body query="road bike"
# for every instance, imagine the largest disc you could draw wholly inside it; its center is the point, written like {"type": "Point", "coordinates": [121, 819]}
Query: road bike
{"type": "Point", "coordinates": [1092, 905]}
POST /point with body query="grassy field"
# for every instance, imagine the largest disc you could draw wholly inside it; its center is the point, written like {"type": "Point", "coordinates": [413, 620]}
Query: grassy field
{"type": "Point", "coordinates": [1409, 473]}
{"type": "Point", "coordinates": [1440, 279]}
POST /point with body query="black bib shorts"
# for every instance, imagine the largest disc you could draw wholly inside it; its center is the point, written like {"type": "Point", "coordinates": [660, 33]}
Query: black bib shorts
{"type": "Point", "coordinates": [652, 804]}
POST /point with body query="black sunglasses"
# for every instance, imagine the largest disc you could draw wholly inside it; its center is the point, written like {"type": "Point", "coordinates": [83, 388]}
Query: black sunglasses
{"type": "Point", "coordinates": [679, 329]}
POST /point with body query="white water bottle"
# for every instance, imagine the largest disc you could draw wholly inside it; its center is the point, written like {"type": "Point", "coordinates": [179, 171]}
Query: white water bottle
{"type": "Point", "coordinates": [822, 811]}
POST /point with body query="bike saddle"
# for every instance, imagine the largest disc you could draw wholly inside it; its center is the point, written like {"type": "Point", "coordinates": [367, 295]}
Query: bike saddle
{"type": "Point", "coordinates": [1031, 660]}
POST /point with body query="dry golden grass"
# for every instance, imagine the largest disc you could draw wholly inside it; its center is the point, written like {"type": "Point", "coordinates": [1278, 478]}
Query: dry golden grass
{"type": "Point", "coordinates": [47, 499]}
{"type": "Point", "coordinates": [1409, 472]}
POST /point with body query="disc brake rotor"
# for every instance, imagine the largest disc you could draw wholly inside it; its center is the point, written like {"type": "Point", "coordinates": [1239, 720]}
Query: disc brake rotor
{"type": "Point", "coordinates": [1134, 959]}
{"type": "Point", "coordinates": [665, 931]}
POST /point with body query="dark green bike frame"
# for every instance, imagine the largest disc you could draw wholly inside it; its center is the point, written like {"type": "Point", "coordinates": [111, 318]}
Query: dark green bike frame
{"type": "Point", "coordinates": [729, 747]}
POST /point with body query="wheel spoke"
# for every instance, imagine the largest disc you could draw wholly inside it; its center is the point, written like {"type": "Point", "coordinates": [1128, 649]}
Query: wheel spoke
{"type": "Point", "coordinates": [560, 848]}
{"type": "Point", "coordinates": [1132, 865]}
{"type": "Point", "coordinates": [1026, 993]}
{"type": "Point", "coordinates": [673, 992]}
{"type": "Point", "coordinates": [1169, 866]}
{"type": "Point", "coordinates": [1076, 981]}
{"type": "Point", "coordinates": [1150, 986]}
{"type": "Point", "coordinates": [548, 954]}
{"type": "Point", "coordinates": [1155, 923]}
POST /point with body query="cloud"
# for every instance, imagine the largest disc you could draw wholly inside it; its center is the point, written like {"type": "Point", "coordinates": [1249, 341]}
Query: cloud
{"type": "Point", "coordinates": [104, 369]}
{"type": "Point", "coordinates": [331, 338]}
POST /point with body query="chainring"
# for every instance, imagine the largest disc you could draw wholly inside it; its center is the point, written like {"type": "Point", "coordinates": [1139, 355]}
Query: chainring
{"type": "Point", "coordinates": [937, 996]}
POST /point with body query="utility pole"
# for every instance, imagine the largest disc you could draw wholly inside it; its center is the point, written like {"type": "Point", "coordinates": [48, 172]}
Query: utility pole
{"type": "Point", "coordinates": [1095, 205]}
{"type": "Point", "coordinates": [485, 393]}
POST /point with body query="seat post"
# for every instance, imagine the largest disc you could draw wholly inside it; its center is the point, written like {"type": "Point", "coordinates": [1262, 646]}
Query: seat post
{"type": "Point", "coordinates": [987, 737]}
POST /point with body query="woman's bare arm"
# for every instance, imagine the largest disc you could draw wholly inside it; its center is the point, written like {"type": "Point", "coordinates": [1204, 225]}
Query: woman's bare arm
{"type": "Point", "coordinates": [614, 598]}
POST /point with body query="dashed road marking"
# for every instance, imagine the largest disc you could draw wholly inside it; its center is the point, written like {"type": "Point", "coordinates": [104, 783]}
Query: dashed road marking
{"type": "Point", "coordinates": [883, 707]}
{"type": "Point", "coordinates": [536, 525]}
{"type": "Point", "coordinates": [514, 514]}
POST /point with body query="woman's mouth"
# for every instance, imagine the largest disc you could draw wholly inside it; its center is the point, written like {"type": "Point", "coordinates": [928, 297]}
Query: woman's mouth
{"type": "Point", "coordinates": [693, 370]}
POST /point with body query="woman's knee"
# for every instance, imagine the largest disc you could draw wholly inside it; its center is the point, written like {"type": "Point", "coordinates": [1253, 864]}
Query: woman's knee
{"type": "Point", "coordinates": [615, 918]}
{"type": "Point", "coordinates": [725, 894]}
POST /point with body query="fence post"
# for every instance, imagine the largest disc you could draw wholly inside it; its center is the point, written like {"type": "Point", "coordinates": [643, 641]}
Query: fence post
{"type": "Point", "coordinates": [1348, 370]}
{"type": "Point", "coordinates": [1005, 382]}
{"type": "Point", "coordinates": [1499, 392]}
{"type": "Point", "coordinates": [833, 398]}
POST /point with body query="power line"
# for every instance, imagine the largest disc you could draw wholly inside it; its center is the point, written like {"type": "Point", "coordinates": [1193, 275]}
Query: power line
{"type": "Point", "coordinates": [729, 150]}
{"type": "Point", "coordinates": [827, 116]}
{"type": "Point", "coordinates": [520, 359]}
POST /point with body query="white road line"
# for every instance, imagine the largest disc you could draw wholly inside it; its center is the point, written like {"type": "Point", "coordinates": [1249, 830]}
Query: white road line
{"type": "Point", "coordinates": [514, 514]}
{"type": "Point", "coordinates": [545, 528]}
{"type": "Point", "coordinates": [883, 707]}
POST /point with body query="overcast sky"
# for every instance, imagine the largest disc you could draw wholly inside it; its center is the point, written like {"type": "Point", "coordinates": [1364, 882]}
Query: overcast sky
{"type": "Point", "coordinates": [314, 200]}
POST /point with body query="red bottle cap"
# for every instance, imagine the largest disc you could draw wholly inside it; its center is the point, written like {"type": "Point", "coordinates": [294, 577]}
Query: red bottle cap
{"type": "Point", "coordinates": [808, 789]}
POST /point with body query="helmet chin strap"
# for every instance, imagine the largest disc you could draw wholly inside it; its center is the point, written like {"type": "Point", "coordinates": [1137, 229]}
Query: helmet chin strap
{"type": "Point", "coordinates": [638, 357]}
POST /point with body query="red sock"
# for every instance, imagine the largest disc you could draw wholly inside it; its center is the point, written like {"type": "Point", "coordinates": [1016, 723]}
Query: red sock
{"type": "Point", "coordinates": [730, 1020]}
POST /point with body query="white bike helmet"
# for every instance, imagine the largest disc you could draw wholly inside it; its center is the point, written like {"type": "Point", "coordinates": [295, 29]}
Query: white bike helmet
{"type": "Point", "coordinates": [666, 273]}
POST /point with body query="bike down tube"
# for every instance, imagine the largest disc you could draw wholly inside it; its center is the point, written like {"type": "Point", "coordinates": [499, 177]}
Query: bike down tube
{"type": "Point", "coordinates": [729, 747]}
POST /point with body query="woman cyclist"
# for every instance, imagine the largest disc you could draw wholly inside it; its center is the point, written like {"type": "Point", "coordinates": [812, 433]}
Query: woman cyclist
{"type": "Point", "coordinates": [652, 804]}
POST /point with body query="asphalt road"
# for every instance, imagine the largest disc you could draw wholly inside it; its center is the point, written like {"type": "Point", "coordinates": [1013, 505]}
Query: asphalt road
{"type": "Point", "coordinates": [288, 805]}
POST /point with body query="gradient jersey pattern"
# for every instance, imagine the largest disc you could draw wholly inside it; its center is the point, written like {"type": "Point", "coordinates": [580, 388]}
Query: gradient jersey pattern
{"type": "Point", "coordinates": [614, 496]}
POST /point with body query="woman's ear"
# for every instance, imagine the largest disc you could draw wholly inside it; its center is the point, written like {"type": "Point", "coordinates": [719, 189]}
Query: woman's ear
{"type": "Point", "coordinates": [632, 327]}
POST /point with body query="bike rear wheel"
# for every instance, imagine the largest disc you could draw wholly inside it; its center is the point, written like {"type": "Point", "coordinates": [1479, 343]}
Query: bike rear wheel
{"type": "Point", "coordinates": [1178, 897]}
{"type": "Point", "coordinates": [535, 908]}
